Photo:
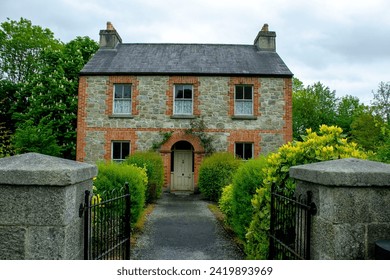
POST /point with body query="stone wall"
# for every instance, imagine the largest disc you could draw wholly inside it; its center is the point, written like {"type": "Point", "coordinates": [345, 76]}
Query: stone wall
{"type": "Point", "coordinates": [214, 101]}
{"type": "Point", "coordinates": [39, 206]}
{"type": "Point", "coordinates": [152, 114]}
{"type": "Point", "coordinates": [353, 210]}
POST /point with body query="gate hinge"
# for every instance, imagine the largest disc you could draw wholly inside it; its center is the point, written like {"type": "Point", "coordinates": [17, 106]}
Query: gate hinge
{"type": "Point", "coordinates": [81, 210]}
{"type": "Point", "coordinates": [313, 209]}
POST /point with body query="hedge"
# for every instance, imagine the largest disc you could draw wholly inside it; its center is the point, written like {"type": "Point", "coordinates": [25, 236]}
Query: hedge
{"type": "Point", "coordinates": [112, 176]}
{"type": "Point", "coordinates": [216, 172]}
{"type": "Point", "coordinates": [154, 166]}
{"type": "Point", "coordinates": [245, 182]}
{"type": "Point", "coordinates": [225, 203]}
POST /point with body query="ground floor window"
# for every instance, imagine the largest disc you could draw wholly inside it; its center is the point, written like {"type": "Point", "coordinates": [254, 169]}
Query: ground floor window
{"type": "Point", "coordinates": [120, 150]}
{"type": "Point", "coordinates": [244, 150]}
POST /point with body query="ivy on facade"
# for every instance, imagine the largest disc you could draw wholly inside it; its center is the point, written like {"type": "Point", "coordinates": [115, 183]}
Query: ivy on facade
{"type": "Point", "coordinates": [198, 129]}
{"type": "Point", "coordinates": [164, 138]}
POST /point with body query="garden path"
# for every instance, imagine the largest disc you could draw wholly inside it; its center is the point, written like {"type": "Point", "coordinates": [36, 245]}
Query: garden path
{"type": "Point", "coordinates": [181, 227]}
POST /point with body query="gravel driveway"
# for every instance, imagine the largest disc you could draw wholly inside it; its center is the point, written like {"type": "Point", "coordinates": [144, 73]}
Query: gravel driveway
{"type": "Point", "coordinates": [181, 227]}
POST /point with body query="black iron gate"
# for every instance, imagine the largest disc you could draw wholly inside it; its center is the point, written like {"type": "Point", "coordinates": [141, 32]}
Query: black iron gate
{"type": "Point", "coordinates": [290, 226]}
{"type": "Point", "coordinates": [107, 225]}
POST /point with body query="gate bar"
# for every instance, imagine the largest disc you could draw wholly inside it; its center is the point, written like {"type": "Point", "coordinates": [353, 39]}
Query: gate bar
{"type": "Point", "coordinates": [86, 225]}
{"type": "Point", "coordinates": [127, 221]}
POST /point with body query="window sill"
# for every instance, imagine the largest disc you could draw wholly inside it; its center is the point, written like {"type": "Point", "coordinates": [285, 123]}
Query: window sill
{"type": "Point", "coordinates": [124, 116]}
{"type": "Point", "coordinates": [244, 118]}
{"type": "Point", "coordinates": [183, 117]}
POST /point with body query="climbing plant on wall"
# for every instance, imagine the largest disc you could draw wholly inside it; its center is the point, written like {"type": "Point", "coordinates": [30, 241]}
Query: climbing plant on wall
{"type": "Point", "coordinates": [198, 129]}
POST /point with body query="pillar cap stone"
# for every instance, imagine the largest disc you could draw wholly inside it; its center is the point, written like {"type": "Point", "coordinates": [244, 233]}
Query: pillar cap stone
{"type": "Point", "coordinates": [38, 169]}
{"type": "Point", "coordinates": [344, 172]}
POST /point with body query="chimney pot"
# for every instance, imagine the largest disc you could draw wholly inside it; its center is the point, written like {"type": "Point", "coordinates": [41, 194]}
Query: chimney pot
{"type": "Point", "coordinates": [265, 27]}
{"type": "Point", "coordinates": [110, 26]}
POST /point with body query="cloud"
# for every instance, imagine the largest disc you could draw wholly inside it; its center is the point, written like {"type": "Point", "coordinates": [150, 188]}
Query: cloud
{"type": "Point", "coordinates": [343, 44]}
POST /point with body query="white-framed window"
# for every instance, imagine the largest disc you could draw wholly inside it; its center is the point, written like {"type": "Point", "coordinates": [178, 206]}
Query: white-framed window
{"type": "Point", "coordinates": [243, 100]}
{"type": "Point", "coordinates": [122, 99]}
{"type": "Point", "coordinates": [183, 101]}
{"type": "Point", "coordinates": [120, 150]}
{"type": "Point", "coordinates": [243, 150]}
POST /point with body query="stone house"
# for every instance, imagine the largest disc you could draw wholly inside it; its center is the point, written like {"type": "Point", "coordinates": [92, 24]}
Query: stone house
{"type": "Point", "coordinates": [133, 97]}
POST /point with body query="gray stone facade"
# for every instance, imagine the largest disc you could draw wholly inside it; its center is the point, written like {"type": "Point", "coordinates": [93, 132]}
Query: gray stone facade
{"type": "Point", "coordinates": [213, 105]}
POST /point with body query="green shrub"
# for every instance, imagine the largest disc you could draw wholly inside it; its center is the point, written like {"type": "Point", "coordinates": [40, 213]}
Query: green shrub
{"type": "Point", "coordinates": [112, 176]}
{"type": "Point", "coordinates": [383, 152]}
{"type": "Point", "coordinates": [30, 137]}
{"type": "Point", "coordinates": [5, 141]}
{"type": "Point", "coordinates": [216, 172]}
{"type": "Point", "coordinates": [246, 180]}
{"type": "Point", "coordinates": [225, 202]}
{"type": "Point", "coordinates": [328, 144]}
{"type": "Point", "coordinates": [154, 165]}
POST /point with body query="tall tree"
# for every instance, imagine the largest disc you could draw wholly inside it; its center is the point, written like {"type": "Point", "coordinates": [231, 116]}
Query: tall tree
{"type": "Point", "coordinates": [348, 108]}
{"type": "Point", "coordinates": [8, 100]}
{"type": "Point", "coordinates": [53, 93]}
{"type": "Point", "coordinates": [366, 130]}
{"type": "Point", "coordinates": [21, 44]}
{"type": "Point", "coordinates": [381, 103]}
{"type": "Point", "coordinates": [312, 106]}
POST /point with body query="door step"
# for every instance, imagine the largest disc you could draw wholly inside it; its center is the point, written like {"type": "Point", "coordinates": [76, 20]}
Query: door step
{"type": "Point", "coordinates": [182, 193]}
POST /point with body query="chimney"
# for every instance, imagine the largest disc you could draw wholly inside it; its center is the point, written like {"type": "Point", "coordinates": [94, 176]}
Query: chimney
{"type": "Point", "coordinates": [109, 38]}
{"type": "Point", "coordinates": [265, 40]}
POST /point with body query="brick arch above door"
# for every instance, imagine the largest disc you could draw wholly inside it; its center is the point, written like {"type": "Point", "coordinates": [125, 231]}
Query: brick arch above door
{"type": "Point", "coordinates": [182, 136]}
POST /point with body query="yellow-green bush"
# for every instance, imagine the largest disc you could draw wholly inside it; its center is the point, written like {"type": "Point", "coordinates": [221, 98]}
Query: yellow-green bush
{"type": "Point", "coordinates": [245, 182]}
{"type": "Point", "coordinates": [328, 144]}
{"type": "Point", "coordinates": [154, 165]}
{"type": "Point", "coordinates": [225, 202]}
{"type": "Point", "coordinates": [112, 176]}
{"type": "Point", "coordinates": [215, 172]}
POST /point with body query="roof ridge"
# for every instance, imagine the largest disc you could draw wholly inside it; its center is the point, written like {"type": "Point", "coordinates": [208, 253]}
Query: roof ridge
{"type": "Point", "coordinates": [189, 44]}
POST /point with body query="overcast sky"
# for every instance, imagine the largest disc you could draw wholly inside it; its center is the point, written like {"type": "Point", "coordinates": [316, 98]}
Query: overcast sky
{"type": "Point", "coordinates": [345, 44]}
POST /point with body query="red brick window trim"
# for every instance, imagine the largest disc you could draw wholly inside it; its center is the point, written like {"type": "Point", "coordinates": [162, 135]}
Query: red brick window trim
{"type": "Point", "coordinates": [119, 135]}
{"type": "Point", "coordinates": [122, 80]}
{"type": "Point", "coordinates": [245, 82]}
{"type": "Point", "coordinates": [170, 94]}
{"type": "Point", "coordinates": [247, 137]}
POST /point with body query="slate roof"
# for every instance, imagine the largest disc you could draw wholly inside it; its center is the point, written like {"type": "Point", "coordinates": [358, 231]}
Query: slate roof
{"type": "Point", "coordinates": [185, 59]}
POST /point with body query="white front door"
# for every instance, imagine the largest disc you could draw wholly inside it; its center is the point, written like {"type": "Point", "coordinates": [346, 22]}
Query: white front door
{"type": "Point", "coordinates": [183, 179]}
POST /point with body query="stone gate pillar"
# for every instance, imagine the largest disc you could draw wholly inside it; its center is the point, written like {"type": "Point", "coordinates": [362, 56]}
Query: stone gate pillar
{"type": "Point", "coordinates": [353, 206]}
{"type": "Point", "coordinates": [39, 207]}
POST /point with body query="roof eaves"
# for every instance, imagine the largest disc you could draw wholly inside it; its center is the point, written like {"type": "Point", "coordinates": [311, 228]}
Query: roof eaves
{"type": "Point", "coordinates": [222, 74]}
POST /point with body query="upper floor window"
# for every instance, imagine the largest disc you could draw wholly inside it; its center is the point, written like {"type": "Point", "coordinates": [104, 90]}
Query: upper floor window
{"type": "Point", "coordinates": [122, 99]}
{"type": "Point", "coordinates": [183, 102]}
{"type": "Point", "coordinates": [243, 100]}
{"type": "Point", "coordinates": [120, 150]}
{"type": "Point", "coordinates": [244, 150]}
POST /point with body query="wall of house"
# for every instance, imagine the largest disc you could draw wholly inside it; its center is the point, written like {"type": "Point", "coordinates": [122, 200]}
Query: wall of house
{"type": "Point", "coordinates": [269, 128]}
